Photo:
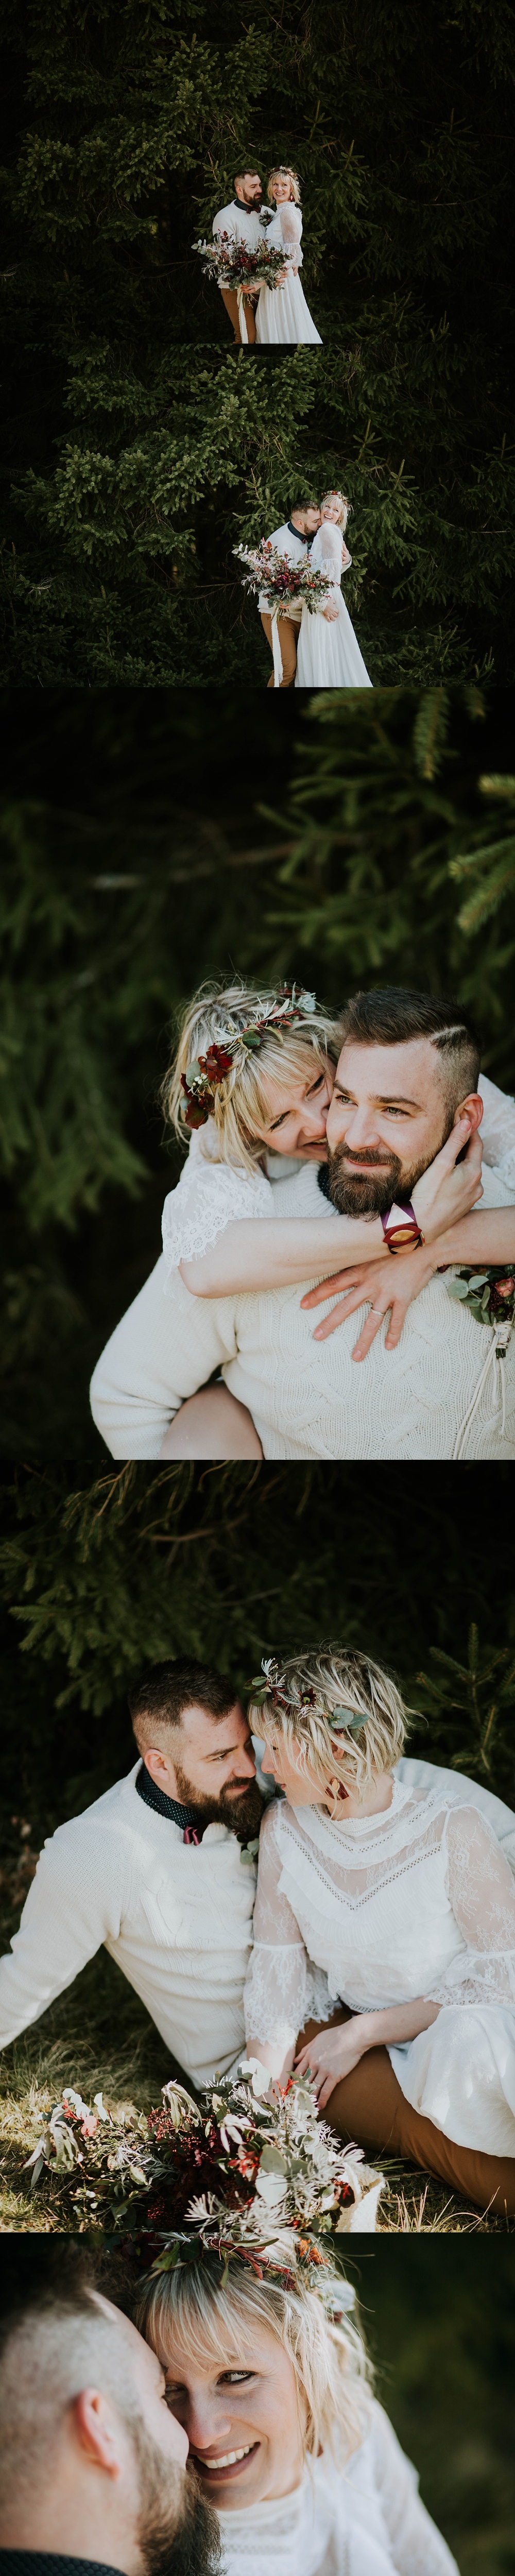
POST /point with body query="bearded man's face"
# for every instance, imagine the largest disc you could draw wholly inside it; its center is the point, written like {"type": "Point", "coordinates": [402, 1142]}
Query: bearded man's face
{"type": "Point", "coordinates": [250, 191]}
{"type": "Point", "coordinates": [388, 1118]}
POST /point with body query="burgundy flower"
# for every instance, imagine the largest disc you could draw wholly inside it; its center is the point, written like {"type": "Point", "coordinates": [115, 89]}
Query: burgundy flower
{"type": "Point", "coordinates": [216, 1063]}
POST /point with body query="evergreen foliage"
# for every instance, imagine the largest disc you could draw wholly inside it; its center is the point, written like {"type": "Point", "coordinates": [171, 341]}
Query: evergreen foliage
{"type": "Point", "coordinates": [136, 861]}
{"type": "Point", "coordinates": [100, 1576]}
{"type": "Point", "coordinates": [140, 447]}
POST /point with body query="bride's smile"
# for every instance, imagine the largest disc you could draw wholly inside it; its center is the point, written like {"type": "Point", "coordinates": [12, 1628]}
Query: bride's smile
{"type": "Point", "coordinates": [242, 2421]}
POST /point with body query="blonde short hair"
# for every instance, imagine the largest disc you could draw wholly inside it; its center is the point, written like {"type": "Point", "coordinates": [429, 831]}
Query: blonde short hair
{"type": "Point", "coordinates": [336, 1677]}
{"type": "Point", "coordinates": [344, 506]}
{"type": "Point", "coordinates": [239, 1111]}
{"type": "Point", "coordinates": [294, 184]}
{"type": "Point", "coordinates": [209, 2317]}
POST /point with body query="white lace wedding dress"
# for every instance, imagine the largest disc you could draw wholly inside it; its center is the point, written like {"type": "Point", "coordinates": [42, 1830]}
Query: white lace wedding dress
{"type": "Point", "coordinates": [378, 1910]}
{"type": "Point", "coordinates": [328, 655]}
{"type": "Point", "coordinates": [281, 311]}
{"type": "Point", "coordinates": [363, 2518]}
{"type": "Point", "coordinates": [211, 1195]}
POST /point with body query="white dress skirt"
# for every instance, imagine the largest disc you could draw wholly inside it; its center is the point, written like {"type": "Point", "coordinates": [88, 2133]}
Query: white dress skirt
{"type": "Point", "coordinates": [328, 654]}
{"type": "Point", "coordinates": [281, 311]}
{"type": "Point", "coordinates": [375, 1912]}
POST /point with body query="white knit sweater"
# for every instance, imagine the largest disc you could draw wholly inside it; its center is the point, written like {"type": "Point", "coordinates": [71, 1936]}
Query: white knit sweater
{"type": "Point", "coordinates": [176, 1916]}
{"type": "Point", "coordinates": [308, 1399]}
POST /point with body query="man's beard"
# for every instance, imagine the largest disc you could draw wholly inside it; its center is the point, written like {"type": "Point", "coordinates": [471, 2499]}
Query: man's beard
{"type": "Point", "coordinates": [242, 1814]}
{"type": "Point", "coordinates": [184, 2542]}
{"type": "Point", "coordinates": [373, 1192]}
{"type": "Point", "coordinates": [256, 200]}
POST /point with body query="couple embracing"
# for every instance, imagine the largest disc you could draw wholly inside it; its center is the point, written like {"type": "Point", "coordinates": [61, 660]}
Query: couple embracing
{"type": "Point", "coordinates": [378, 1947]}
{"type": "Point", "coordinates": [381, 1957]}
{"type": "Point", "coordinates": [266, 315]}
{"type": "Point", "coordinates": [312, 642]}
{"type": "Point", "coordinates": [363, 1166]}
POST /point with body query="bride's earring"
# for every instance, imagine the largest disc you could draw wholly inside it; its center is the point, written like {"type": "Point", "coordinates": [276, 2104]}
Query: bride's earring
{"type": "Point", "coordinates": [337, 1793]}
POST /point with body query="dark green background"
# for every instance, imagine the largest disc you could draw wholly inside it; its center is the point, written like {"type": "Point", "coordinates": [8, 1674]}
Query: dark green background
{"type": "Point", "coordinates": [138, 449]}
{"type": "Point", "coordinates": [101, 1576]}
{"type": "Point", "coordinates": [150, 838]}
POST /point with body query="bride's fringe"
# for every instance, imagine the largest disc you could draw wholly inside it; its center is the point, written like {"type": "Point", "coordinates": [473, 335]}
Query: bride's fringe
{"type": "Point", "coordinates": [189, 2311]}
{"type": "Point", "coordinates": [241, 1110]}
{"type": "Point", "coordinates": [336, 1676]}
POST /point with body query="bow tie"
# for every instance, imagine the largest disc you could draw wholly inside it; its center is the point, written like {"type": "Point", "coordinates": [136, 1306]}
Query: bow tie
{"type": "Point", "coordinates": [162, 1806]}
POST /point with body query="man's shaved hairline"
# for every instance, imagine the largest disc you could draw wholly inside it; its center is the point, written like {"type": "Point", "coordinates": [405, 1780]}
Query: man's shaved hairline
{"type": "Point", "coordinates": [57, 2339]}
{"type": "Point", "coordinates": [149, 1718]}
{"type": "Point", "coordinates": [450, 1046]}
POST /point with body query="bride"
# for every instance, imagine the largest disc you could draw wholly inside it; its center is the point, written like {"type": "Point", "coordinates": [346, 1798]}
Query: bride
{"type": "Point", "coordinates": [247, 1123]}
{"type": "Point", "coordinates": [282, 313]}
{"type": "Point", "coordinates": [328, 655]}
{"type": "Point", "coordinates": [402, 1899]}
{"type": "Point", "coordinates": [290, 2447]}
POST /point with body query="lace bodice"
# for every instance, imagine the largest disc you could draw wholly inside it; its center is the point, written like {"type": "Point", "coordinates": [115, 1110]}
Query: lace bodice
{"type": "Point", "coordinates": [211, 1195]}
{"type": "Point", "coordinates": [286, 227]}
{"type": "Point", "coordinates": [418, 1901]}
{"type": "Point", "coordinates": [361, 2519]}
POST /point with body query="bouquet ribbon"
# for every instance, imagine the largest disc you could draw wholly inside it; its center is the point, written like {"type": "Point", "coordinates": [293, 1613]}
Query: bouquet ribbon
{"type": "Point", "coordinates": [494, 1359]}
{"type": "Point", "coordinates": [241, 293]}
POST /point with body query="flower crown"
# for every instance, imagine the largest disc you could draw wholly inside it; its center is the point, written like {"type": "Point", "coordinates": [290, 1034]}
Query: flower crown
{"type": "Point", "coordinates": [203, 1077]}
{"type": "Point", "coordinates": [339, 1720]}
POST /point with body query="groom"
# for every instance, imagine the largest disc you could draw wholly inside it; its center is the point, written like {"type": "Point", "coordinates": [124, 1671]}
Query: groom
{"type": "Point", "coordinates": [408, 1064]}
{"type": "Point", "coordinates": [294, 539]}
{"type": "Point", "coordinates": [161, 1870]}
{"type": "Point", "coordinates": [241, 221]}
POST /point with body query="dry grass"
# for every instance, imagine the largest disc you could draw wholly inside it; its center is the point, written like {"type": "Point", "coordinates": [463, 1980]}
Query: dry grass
{"type": "Point", "coordinates": [74, 2045]}
{"type": "Point", "coordinates": [77, 2049]}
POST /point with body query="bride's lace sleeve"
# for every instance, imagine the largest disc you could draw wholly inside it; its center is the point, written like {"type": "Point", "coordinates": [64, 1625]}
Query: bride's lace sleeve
{"type": "Point", "coordinates": [283, 1989]}
{"type": "Point", "coordinates": [329, 552]}
{"type": "Point", "coordinates": [208, 1197]}
{"type": "Point", "coordinates": [291, 229]}
{"type": "Point", "coordinates": [416, 2545]}
{"type": "Point", "coordinates": [498, 1130]}
{"type": "Point", "coordinates": [481, 1891]}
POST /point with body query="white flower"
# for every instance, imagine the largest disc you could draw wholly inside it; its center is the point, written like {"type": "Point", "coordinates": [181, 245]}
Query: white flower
{"type": "Point", "coordinates": [230, 2128]}
{"type": "Point", "coordinates": [271, 2187]}
{"type": "Point", "coordinates": [260, 2076]}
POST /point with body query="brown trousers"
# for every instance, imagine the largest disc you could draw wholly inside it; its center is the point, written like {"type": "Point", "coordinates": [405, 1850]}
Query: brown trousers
{"type": "Point", "coordinates": [368, 2109]}
{"type": "Point", "coordinates": [230, 299]}
{"type": "Point", "coordinates": [289, 636]}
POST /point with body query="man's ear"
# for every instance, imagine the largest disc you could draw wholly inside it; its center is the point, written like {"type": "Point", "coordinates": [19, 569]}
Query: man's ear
{"type": "Point", "coordinates": [98, 2430]}
{"type": "Point", "coordinates": [160, 1768]}
{"type": "Point", "coordinates": [474, 1107]}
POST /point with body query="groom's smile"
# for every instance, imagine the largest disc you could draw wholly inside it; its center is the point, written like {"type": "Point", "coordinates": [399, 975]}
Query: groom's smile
{"type": "Point", "coordinates": [389, 1116]}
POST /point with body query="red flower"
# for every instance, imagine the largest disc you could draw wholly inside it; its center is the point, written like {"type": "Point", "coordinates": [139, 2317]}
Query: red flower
{"type": "Point", "coordinates": [216, 1063]}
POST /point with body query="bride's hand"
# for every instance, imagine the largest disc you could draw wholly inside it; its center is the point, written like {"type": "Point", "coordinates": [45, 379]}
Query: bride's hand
{"type": "Point", "coordinates": [333, 2054]}
{"type": "Point", "coordinates": [448, 1190]}
{"type": "Point", "coordinates": [330, 612]}
{"type": "Point", "coordinates": [387, 1283]}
